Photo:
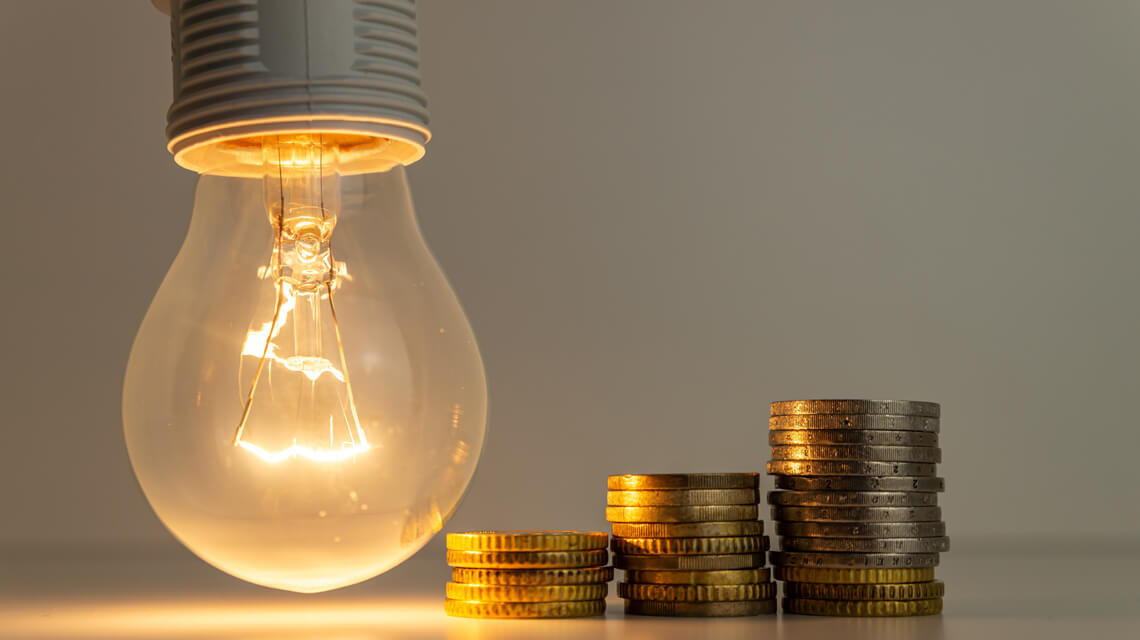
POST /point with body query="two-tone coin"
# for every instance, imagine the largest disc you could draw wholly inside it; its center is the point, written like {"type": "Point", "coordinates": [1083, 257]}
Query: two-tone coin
{"type": "Point", "coordinates": [527, 540]}
{"type": "Point", "coordinates": [859, 452]}
{"type": "Point", "coordinates": [850, 468]}
{"type": "Point", "coordinates": [860, 407]}
{"type": "Point", "coordinates": [897, 437]}
{"type": "Point", "coordinates": [574, 609]}
{"type": "Point", "coordinates": [681, 498]}
{"type": "Point", "coordinates": [507, 593]}
{"type": "Point", "coordinates": [864, 608]}
{"type": "Point", "coordinates": [866, 545]}
{"type": "Point", "coordinates": [527, 559]}
{"type": "Point", "coordinates": [855, 421]}
{"type": "Point", "coordinates": [853, 498]}
{"type": "Point", "coordinates": [687, 529]}
{"type": "Point", "coordinates": [854, 576]}
{"type": "Point", "coordinates": [857, 514]}
{"type": "Point", "coordinates": [688, 562]}
{"type": "Point", "coordinates": [897, 591]}
{"type": "Point", "coordinates": [862, 530]}
{"type": "Point", "coordinates": [679, 609]}
{"type": "Point", "coordinates": [704, 577]}
{"type": "Point", "coordinates": [682, 514]}
{"type": "Point", "coordinates": [854, 560]}
{"type": "Point", "coordinates": [861, 483]}
{"type": "Point", "coordinates": [697, 593]}
{"type": "Point", "coordinates": [649, 481]}
{"type": "Point", "coordinates": [533, 577]}
{"type": "Point", "coordinates": [689, 546]}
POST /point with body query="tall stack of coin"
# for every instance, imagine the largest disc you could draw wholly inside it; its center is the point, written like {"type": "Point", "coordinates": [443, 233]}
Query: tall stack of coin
{"type": "Point", "coordinates": [690, 544]}
{"type": "Point", "coordinates": [527, 574]}
{"type": "Point", "coordinates": [856, 506]}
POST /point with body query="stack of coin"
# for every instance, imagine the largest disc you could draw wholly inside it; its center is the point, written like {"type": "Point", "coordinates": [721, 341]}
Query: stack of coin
{"type": "Point", "coordinates": [690, 544]}
{"type": "Point", "coordinates": [856, 506]}
{"type": "Point", "coordinates": [527, 574]}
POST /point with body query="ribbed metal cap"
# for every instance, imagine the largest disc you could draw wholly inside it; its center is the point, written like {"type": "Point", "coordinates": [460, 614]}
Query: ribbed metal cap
{"type": "Point", "coordinates": [246, 69]}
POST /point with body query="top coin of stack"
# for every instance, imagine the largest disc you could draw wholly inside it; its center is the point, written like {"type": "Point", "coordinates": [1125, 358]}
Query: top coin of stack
{"type": "Point", "coordinates": [690, 544]}
{"type": "Point", "coordinates": [856, 506]}
{"type": "Point", "coordinates": [527, 574]}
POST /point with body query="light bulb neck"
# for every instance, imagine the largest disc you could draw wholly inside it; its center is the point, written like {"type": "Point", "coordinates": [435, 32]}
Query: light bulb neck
{"type": "Point", "coordinates": [245, 70]}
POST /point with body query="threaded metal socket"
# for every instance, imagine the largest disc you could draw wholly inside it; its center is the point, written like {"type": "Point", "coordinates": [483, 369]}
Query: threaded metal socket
{"type": "Point", "coordinates": [347, 70]}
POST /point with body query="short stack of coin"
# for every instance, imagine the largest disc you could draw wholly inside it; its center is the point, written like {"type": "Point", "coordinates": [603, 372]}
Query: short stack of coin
{"type": "Point", "coordinates": [856, 506]}
{"type": "Point", "coordinates": [690, 544]}
{"type": "Point", "coordinates": [527, 574]}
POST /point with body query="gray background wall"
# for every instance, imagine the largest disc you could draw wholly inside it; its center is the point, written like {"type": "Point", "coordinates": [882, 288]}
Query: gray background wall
{"type": "Point", "coordinates": [660, 216]}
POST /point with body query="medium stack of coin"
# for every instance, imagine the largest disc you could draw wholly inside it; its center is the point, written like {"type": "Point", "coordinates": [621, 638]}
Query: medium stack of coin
{"type": "Point", "coordinates": [856, 506]}
{"type": "Point", "coordinates": [690, 544]}
{"type": "Point", "coordinates": [527, 574]}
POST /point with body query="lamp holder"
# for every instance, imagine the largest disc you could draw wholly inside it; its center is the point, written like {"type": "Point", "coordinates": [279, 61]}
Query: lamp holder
{"type": "Point", "coordinates": [345, 72]}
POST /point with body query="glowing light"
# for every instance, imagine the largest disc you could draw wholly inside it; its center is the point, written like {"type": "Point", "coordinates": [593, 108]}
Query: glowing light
{"type": "Point", "coordinates": [349, 450]}
{"type": "Point", "coordinates": [259, 341]}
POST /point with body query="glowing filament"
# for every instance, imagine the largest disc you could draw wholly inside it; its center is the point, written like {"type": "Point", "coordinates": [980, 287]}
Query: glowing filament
{"type": "Point", "coordinates": [304, 275]}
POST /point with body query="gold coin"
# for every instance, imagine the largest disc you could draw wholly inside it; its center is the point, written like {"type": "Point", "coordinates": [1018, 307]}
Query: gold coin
{"type": "Point", "coordinates": [858, 407]}
{"type": "Point", "coordinates": [533, 577]}
{"type": "Point", "coordinates": [908, 591]}
{"type": "Point", "coordinates": [527, 559]}
{"type": "Point", "coordinates": [700, 609]}
{"type": "Point", "coordinates": [865, 608]}
{"type": "Point", "coordinates": [680, 498]}
{"type": "Point", "coordinates": [697, 593]}
{"type": "Point", "coordinates": [682, 514]}
{"type": "Point", "coordinates": [687, 529]}
{"type": "Point", "coordinates": [689, 563]}
{"type": "Point", "coordinates": [638, 482]}
{"type": "Point", "coordinates": [725, 577]}
{"type": "Point", "coordinates": [689, 546]}
{"type": "Point", "coordinates": [575, 609]}
{"type": "Point", "coordinates": [505, 593]}
{"type": "Point", "coordinates": [527, 540]}
{"type": "Point", "coordinates": [854, 576]}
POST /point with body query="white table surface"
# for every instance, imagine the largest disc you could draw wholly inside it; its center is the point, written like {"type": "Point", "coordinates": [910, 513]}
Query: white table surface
{"type": "Point", "coordinates": [1039, 590]}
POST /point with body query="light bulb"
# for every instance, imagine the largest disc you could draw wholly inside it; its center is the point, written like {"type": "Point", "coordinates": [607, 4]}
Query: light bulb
{"type": "Point", "coordinates": [304, 404]}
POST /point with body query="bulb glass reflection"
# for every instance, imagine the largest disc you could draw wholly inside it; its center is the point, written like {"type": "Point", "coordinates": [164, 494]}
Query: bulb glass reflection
{"type": "Point", "coordinates": [304, 403]}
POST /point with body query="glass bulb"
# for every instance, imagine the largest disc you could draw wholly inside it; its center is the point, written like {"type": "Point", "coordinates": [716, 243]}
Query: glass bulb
{"type": "Point", "coordinates": [304, 403]}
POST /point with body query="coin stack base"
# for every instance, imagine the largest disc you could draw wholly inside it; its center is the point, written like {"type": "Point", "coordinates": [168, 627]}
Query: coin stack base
{"type": "Point", "coordinates": [856, 506]}
{"type": "Point", "coordinates": [690, 544]}
{"type": "Point", "coordinates": [527, 574]}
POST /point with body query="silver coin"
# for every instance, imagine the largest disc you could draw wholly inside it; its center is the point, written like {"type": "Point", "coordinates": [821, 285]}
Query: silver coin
{"type": "Point", "coordinates": [852, 498]}
{"type": "Point", "coordinates": [861, 529]}
{"type": "Point", "coordinates": [876, 407]}
{"type": "Point", "coordinates": [866, 545]}
{"type": "Point", "coordinates": [856, 452]}
{"type": "Point", "coordinates": [861, 483]}
{"type": "Point", "coordinates": [855, 421]}
{"type": "Point", "coordinates": [849, 468]}
{"type": "Point", "coordinates": [857, 514]}
{"type": "Point", "coordinates": [853, 560]}
{"type": "Point", "coordinates": [852, 436]}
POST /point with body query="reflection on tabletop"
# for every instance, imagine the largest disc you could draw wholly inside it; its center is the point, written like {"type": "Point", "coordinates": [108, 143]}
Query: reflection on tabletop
{"type": "Point", "coordinates": [998, 591]}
